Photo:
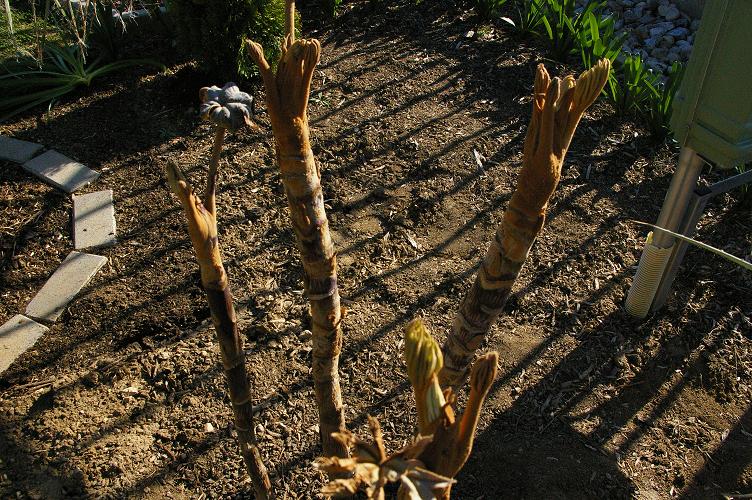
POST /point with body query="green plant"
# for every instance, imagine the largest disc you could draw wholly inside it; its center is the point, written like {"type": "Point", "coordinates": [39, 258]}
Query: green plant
{"type": "Point", "coordinates": [530, 15]}
{"type": "Point", "coordinates": [659, 107]}
{"type": "Point", "coordinates": [63, 69]}
{"type": "Point", "coordinates": [564, 27]}
{"type": "Point", "coordinates": [599, 40]}
{"type": "Point", "coordinates": [104, 34]}
{"type": "Point", "coordinates": [631, 87]}
{"type": "Point", "coordinates": [489, 9]}
{"type": "Point", "coordinates": [330, 7]}
{"type": "Point", "coordinates": [214, 32]}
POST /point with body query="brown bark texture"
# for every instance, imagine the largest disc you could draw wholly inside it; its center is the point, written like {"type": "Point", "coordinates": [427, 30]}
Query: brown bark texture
{"type": "Point", "coordinates": [558, 105]}
{"type": "Point", "coordinates": [287, 93]}
{"type": "Point", "coordinates": [202, 227]}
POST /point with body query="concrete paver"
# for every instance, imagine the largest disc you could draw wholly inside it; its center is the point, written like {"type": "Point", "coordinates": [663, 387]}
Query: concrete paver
{"type": "Point", "coordinates": [63, 286]}
{"type": "Point", "coordinates": [16, 150]}
{"type": "Point", "coordinates": [93, 220]}
{"type": "Point", "coordinates": [17, 335]}
{"type": "Point", "coordinates": [60, 171]}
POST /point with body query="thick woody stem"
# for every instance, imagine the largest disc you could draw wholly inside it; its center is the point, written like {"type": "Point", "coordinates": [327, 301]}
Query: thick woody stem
{"type": "Point", "coordinates": [452, 439]}
{"type": "Point", "coordinates": [202, 227]}
{"type": "Point", "coordinates": [211, 182]}
{"type": "Point", "coordinates": [287, 100]}
{"type": "Point", "coordinates": [238, 385]}
{"type": "Point", "coordinates": [558, 105]}
{"type": "Point", "coordinates": [290, 20]}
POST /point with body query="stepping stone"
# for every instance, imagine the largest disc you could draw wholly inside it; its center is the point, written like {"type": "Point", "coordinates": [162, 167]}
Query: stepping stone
{"type": "Point", "coordinates": [64, 284]}
{"type": "Point", "coordinates": [93, 220]}
{"type": "Point", "coordinates": [16, 336]}
{"type": "Point", "coordinates": [17, 151]}
{"type": "Point", "coordinates": [60, 171]}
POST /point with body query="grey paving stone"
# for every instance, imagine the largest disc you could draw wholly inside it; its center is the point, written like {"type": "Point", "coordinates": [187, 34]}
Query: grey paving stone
{"type": "Point", "coordinates": [16, 336]}
{"type": "Point", "coordinates": [63, 286]}
{"type": "Point", "coordinates": [93, 220]}
{"type": "Point", "coordinates": [16, 150]}
{"type": "Point", "coordinates": [60, 171]}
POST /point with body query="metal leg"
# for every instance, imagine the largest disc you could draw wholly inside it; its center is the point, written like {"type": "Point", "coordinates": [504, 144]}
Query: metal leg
{"type": "Point", "coordinates": [689, 225]}
{"type": "Point", "coordinates": [657, 251]}
{"type": "Point", "coordinates": [677, 198]}
{"type": "Point", "coordinates": [694, 212]}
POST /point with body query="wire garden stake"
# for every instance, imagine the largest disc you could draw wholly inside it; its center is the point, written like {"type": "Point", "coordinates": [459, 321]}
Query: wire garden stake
{"type": "Point", "coordinates": [558, 105]}
{"type": "Point", "coordinates": [202, 228]}
{"type": "Point", "coordinates": [287, 93]}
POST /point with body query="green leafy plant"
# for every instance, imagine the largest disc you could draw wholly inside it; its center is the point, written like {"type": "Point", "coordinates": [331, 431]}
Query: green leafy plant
{"type": "Point", "coordinates": [63, 70]}
{"type": "Point", "coordinates": [104, 34]}
{"type": "Point", "coordinates": [659, 107]}
{"type": "Point", "coordinates": [214, 32]}
{"type": "Point", "coordinates": [489, 9]}
{"type": "Point", "coordinates": [330, 7]}
{"type": "Point", "coordinates": [564, 28]}
{"type": "Point", "coordinates": [632, 87]}
{"type": "Point", "coordinates": [599, 40]}
{"type": "Point", "coordinates": [530, 14]}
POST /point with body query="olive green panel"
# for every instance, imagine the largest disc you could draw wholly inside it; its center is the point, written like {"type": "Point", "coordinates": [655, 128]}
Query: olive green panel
{"type": "Point", "coordinates": [713, 107]}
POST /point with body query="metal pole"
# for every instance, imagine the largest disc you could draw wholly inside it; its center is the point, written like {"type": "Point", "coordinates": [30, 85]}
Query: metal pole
{"type": "Point", "coordinates": [658, 248]}
{"type": "Point", "coordinates": [675, 204]}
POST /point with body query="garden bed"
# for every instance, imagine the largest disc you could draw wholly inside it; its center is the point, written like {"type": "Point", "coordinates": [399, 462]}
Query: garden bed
{"type": "Point", "coordinates": [125, 396]}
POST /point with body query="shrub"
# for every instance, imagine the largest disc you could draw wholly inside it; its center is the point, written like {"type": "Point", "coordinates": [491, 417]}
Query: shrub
{"type": "Point", "coordinates": [214, 32]}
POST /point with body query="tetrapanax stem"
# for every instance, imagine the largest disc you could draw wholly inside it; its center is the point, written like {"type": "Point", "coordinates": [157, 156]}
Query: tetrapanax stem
{"type": "Point", "coordinates": [558, 105]}
{"type": "Point", "coordinates": [452, 439]}
{"type": "Point", "coordinates": [424, 361]}
{"type": "Point", "coordinates": [287, 101]}
{"type": "Point", "coordinates": [202, 228]}
{"type": "Point", "coordinates": [228, 109]}
{"type": "Point", "coordinates": [211, 182]}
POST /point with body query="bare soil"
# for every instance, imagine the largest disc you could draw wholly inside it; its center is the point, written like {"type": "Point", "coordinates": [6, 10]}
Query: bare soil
{"type": "Point", "coordinates": [116, 399]}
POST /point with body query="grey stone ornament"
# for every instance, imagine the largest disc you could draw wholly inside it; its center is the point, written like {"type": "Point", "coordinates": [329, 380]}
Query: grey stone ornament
{"type": "Point", "coordinates": [226, 107]}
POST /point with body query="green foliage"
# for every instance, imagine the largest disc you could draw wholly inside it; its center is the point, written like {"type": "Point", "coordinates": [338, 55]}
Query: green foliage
{"type": "Point", "coordinates": [530, 14]}
{"type": "Point", "coordinates": [599, 40]}
{"type": "Point", "coordinates": [660, 101]}
{"type": "Point", "coordinates": [630, 89]}
{"type": "Point", "coordinates": [330, 7]}
{"type": "Point", "coordinates": [104, 35]}
{"type": "Point", "coordinates": [489, 9]}
{"type": "Point", "coordinates": [64, 68]}
{"type": "Point", "coordinates": [214, 32]}
{"type": "Point", "coordinates": [564, 28]}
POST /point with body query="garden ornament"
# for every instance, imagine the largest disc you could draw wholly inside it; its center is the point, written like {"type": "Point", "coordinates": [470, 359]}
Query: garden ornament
{"type": "Point", "coordinates": [558, 105]}
{"type": "Point", "coordinates": [228, 109]}
{"type": "Point", "coordinates": [287, 92]}
{"type": "Point", "coordinates": [202, 228]}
